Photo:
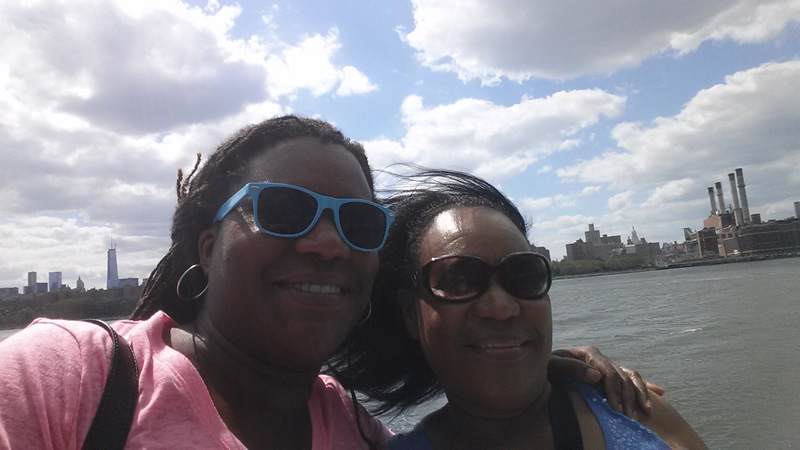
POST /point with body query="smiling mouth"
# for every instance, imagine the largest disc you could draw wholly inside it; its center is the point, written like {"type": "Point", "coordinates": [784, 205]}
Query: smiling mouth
{"type": "Point", "coordinates": [312, 288]}
{"type": "Point", "coordinates": [498, 346]}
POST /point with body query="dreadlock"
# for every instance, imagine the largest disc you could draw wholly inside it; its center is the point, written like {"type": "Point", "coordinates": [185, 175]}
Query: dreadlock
{"type": "Point", "coordinates": [202, 193]}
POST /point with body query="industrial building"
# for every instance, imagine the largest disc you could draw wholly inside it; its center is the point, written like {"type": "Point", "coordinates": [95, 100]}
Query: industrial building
{"type": "Point", "coordinates": [738, 232]}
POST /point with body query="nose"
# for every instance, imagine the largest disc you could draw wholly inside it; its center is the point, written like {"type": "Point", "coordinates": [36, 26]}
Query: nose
{"type": "Point", "coordinates": [496, 303]}
{"type": "Point", "coordinates": [323, 239]}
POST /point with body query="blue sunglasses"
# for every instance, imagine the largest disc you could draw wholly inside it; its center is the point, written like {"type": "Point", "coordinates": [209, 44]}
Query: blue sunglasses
{"type": "Point", "coordinates": [284, 210]}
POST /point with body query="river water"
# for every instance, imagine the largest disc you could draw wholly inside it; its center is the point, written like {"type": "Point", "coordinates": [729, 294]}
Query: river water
{"type": "Point", "coordinates": [723, 340]}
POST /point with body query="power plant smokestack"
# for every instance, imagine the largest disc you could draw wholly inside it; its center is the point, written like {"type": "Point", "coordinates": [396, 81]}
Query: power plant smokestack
{"type": "Point", "coordinates": [743, 196]}
{"type": "Point", "coordinates": [719, 197]}
{"type": "Point", "coordinates": [713, 200]}
{"type": "Point", "coordinates": [737, 211]}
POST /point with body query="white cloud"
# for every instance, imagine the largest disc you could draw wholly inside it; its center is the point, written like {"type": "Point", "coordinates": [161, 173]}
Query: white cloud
{"type": "Point", "coordinates": [590, 190]}
{"type": "Point", "coordinates": [673, 190]}
{"type": "Point", "coordinates": [750, 121]}
{"type": "Point", "coordinates": [621, 201]}
{"type": "Point", "coordinates": [490, 140]}
{"type": "Point", "coordinates": [354, 82]}
{"type": "Point", "coordinates": [492, 39]}
{"type": "Point", "coordinates": [309, 65]}
{"type": "Point", "coordinates": [101, 102]}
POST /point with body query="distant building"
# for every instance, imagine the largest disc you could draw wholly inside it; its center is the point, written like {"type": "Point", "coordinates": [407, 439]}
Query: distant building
{"type": "Point", "coordinates": [542, 251]}
{"type": "Point", "coordinates": [580, 250]}
{"type": "Point", "coordinates": [41, 287]}
{"type": "Point", "coordinates": [134, 282]}
{"type": "Point", "coordinates": [112, 277]}
{"type": "Point", "coordinates": [54, 280]}
{"type": "Point", "coordinates": [773, 237]}
{"type": "Point", "coordinates": [704, 242]}
{"type": "Point", "coordinates": [595, 247]}
{"type": "Point", "coordinates": [79, 285]}
{"type": "Point", "coordinates": [634, 239]}
{"type": "Point", "coordinates": [740, 233]}
{"type": "Point", "coordinates": [592, 236]}
{"type": "Point", "coordinates": [32, 281]}
{"type": "Point", "coordinates": [5, 292]}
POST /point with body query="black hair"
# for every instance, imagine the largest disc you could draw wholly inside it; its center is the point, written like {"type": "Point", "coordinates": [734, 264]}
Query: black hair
{"type": "Point", "coordinates": [206, 189]}
{"type": "Point", "coordinates": [383, 361]}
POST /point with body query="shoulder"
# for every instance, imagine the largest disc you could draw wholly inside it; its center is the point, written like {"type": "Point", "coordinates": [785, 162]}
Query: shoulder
{"type": "Point", "coordinates": [50, 342]}
{"type": "Point", "coordinates": [334, 415]}
{"type": "Point", "coordinates": [670, 425]}
{"type": "Point", "coordinates": [51, 377]}
{"type": "Point", "coordinates": [662, 428]}
{"type": "Point", "coordinates": [415, 439]}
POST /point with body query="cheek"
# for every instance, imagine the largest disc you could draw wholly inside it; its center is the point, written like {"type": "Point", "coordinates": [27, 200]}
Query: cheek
{"type": "Point", "coordinates": [438, 331]}
{"type": "Point", "coordinates": [539, 316]}
{"type": "Point", "coordinates": [366, 265]}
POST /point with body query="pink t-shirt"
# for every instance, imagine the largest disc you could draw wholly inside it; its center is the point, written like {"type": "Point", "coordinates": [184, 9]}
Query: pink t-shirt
{"type": "Point", "coordinates": [52, 376]}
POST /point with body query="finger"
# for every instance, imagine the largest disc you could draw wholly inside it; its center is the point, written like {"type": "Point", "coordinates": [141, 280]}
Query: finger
{"type": "Point", "coordinates": [613, 385]}
{"type": "Point", "coordinates": [561, 369]}
{"type": "Point", "coordinates": [596, 362]}
{"type": "Point", "coordinates": [629, 394]}
{"type": "Point", "coordinates": [640, 390]}
{"type": "Point", "coordinates": [657, 389]}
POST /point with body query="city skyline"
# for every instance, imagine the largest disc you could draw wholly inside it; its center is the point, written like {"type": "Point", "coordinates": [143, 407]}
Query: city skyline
{"type": "Point", "coordinates": [614, 114]}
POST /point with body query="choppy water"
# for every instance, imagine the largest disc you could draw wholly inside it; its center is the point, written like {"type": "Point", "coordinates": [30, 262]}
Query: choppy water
{"type": "Point", "coordinates": [723, 340]}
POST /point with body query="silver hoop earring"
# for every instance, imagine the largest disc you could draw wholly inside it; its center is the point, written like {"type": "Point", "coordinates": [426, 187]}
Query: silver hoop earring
{"type": "Point", "coordinates": [178, 287]}
{"type": "Point", "coordinates": [369, 313]}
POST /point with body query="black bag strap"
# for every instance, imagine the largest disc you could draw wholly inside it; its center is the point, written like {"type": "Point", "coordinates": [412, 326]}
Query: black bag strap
{"type": "Point", "coordinates": [566, 431]}
{"type": "Point", "coordinates": [112, 422]}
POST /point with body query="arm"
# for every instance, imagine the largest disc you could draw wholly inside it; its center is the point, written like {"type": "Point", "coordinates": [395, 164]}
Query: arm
{"type": "Point", "coordinates": [624, 387]}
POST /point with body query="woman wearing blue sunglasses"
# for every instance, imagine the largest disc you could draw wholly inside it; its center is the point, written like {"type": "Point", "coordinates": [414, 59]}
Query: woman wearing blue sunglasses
{"type": "Point", "coordinates": [466, 312]}
{"type": "Point", "coordinates": [274, 252]}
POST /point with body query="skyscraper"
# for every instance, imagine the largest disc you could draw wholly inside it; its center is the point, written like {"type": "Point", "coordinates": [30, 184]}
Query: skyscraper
{"type": "Point", "coordinates": [112, 278]}
{"type": "Point", "coordinates": [31, 287]}
{"type": "Point", "coordinates": [54, 281]}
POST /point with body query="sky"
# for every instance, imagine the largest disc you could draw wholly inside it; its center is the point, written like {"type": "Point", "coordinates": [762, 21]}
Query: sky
{"type": "Point", "coordinates": [618, 113]}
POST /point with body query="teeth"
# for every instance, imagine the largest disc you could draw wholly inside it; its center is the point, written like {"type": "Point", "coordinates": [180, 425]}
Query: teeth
{"type": "Point", "coordinates": [498, 345]}
{"type": "Point", "coordinates": [317, 288]}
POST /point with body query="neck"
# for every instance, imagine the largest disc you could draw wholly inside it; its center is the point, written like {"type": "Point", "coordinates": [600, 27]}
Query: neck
{"type": "Point", "coordinates": [457, 425]}
{"type": "Point", "coordinates": [258, 401]}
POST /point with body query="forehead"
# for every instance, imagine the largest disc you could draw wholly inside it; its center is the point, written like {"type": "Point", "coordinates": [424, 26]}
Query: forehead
{"type": "Point", "coordinates": [326, 168]}
{"type": "Point", "coordinates": [477, 231]}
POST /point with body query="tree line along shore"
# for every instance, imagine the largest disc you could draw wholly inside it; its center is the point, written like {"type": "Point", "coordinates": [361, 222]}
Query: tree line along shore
{"type": "Point", "coordinates": [17, 311]}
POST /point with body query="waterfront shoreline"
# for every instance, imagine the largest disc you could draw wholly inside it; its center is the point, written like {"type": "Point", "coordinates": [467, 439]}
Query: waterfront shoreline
{"type": "Point", "coordinates": [731, 260]}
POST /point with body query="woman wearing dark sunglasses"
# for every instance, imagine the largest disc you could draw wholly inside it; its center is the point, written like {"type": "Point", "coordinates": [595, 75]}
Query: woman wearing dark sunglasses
{"type": "Point", "coordinates": [466, 312]}
{"type": "Point", "coordinates": [273, 258]}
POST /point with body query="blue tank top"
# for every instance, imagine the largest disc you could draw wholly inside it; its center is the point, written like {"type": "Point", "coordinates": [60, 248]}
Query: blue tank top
{"type": "Point", "coordinates": [620, 432]}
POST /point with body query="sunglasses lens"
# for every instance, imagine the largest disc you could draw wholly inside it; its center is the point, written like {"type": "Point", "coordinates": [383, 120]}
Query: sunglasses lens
{"type": "Point", "coordinates": [525, 275]}
{"type": "Point", "coordinates": [284, 210]}
{"type": "Point", "coordinates": [462, 278]}
{"type": "Point", "coordinates": [458, 278]}
{"type": "Point", "coordinates": [363, 224]}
